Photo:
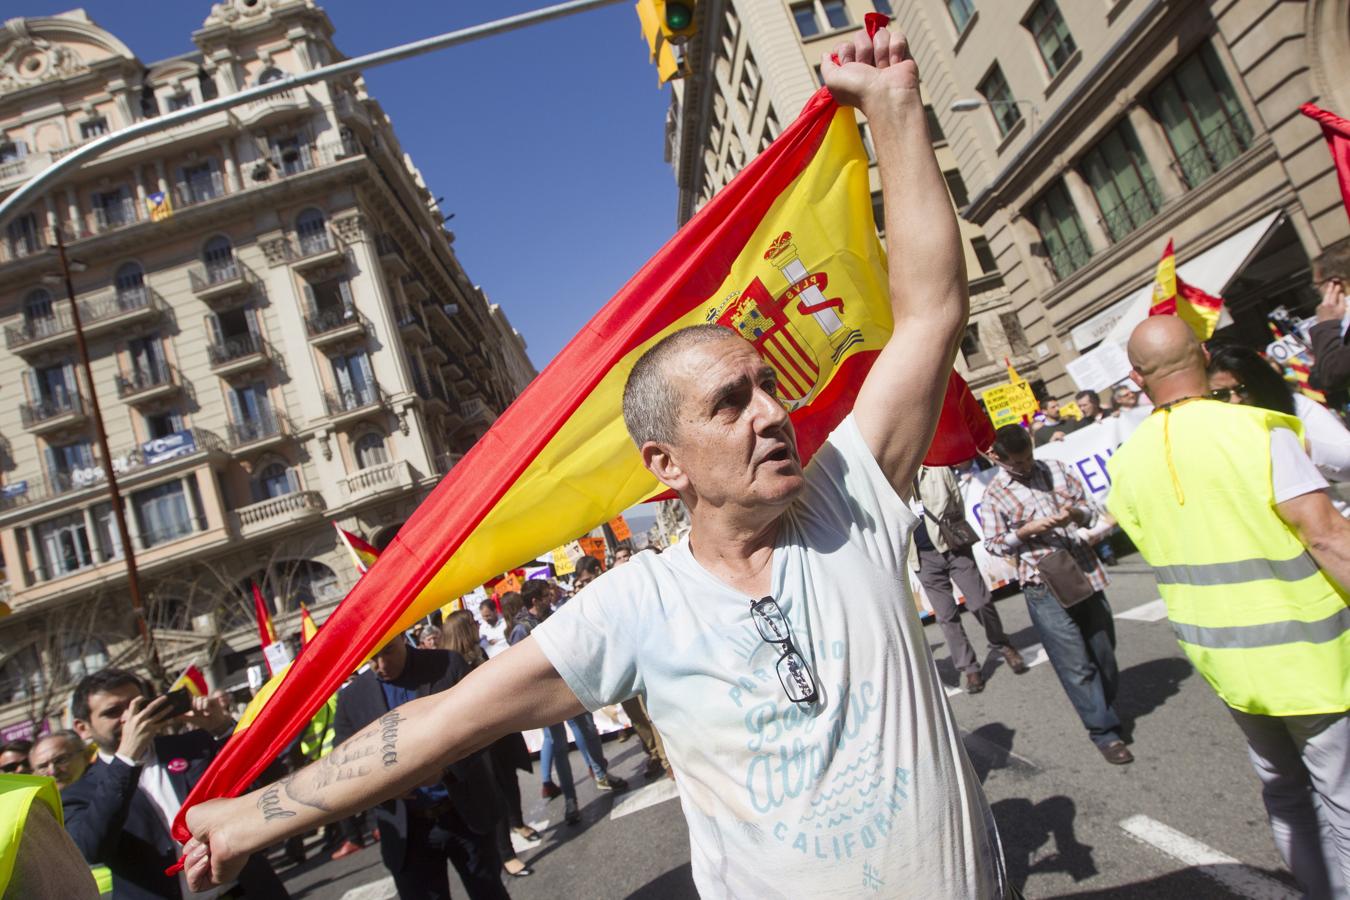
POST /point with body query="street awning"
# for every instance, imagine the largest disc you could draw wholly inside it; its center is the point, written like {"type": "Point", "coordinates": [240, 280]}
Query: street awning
{"type": "Point", "coordinates": [1211, 271]}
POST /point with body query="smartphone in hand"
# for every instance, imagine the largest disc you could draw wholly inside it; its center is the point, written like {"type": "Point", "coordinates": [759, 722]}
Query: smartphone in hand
{"type": "Point", "coordinates": [179, 702]}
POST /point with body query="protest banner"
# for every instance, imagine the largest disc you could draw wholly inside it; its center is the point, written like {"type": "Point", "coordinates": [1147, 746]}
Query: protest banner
{"type": "Point", "coordinates": [1008, 403]}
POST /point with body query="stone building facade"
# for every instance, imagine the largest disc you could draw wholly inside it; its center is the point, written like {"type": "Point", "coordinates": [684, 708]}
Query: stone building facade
{"type": "Point", "coordinates": [753, 65]}
{"type": "Point", "coordinates": [1092, 133]}
{"type": "Point", "coordinates": [281, 336]}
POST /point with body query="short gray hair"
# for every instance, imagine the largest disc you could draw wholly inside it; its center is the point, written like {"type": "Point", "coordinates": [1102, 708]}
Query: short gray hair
{"type": "Point", "coordinates": [650, 403]}
{"type": "Point", "coordinates": [65, 734]}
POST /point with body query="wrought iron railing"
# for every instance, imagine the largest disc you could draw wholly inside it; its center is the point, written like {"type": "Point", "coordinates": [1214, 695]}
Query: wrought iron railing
{"type": "Point", "coordinates": [1215, 149]}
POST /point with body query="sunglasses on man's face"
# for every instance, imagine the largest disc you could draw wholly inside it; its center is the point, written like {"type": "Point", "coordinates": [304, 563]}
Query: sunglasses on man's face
{"type": "Point", "coordinates": [12, 767]}
{"type": "Point", "coordinates": [1225, 395]}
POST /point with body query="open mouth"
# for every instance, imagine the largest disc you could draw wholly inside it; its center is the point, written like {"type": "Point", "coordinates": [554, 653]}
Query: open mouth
{"type": "Point", "coordinates": [781, 454]}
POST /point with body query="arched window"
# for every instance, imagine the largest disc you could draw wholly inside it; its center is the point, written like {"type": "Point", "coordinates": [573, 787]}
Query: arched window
{"type": "Point", "coordinates": [311, 228]}
{"type": "Point", "coordinates": [218, 255]}
{"type": "Point", "coordinates": [21, 675]}
{"type": "Point", "coordinates": [81, 655]}
{"type": "Point", "coordinates": [371, 451]}
{"type": "Point", "coordinates": [129, 282]}
{"type": "Point", "coordinates": [271, 73]}
{"type": "Point", "coordinates": [38, 313]}
{"type": "Point", "coordinates": [275, 480]}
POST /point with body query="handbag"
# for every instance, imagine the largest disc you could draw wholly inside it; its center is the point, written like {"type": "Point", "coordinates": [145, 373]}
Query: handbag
{"type": "Point", "coordinates": [956, 533]}
{"type": "Point", "coordinates": [1060, 572]}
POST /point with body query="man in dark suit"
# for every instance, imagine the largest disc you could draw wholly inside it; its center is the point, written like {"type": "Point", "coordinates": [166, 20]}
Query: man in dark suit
{"type": "Point", "coordinates": [451, 819]}
{"type": "Point", "coordinates": [119, 812]}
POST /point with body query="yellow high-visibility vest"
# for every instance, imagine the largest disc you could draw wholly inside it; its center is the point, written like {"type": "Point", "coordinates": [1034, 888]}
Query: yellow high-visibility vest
{"type": "Point", "coordinates": [316, 741]}
{"type": "Point", "coordinates": [1249, 605]}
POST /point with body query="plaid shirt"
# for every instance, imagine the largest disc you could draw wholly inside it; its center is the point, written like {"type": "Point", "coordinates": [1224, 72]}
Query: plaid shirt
{"type": "Point", "coordinates": [1009, 504]}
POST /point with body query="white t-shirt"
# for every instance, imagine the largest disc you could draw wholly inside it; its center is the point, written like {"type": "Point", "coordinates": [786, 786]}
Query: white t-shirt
{"type": "Point", "coordinates": [1328, 439]}
{"type": "Point", "coordinates": [493, 637]}
{"type": "Point", "coordinates": [867, 793]}
{"type": "Point", "coordinates": [1292, 472]}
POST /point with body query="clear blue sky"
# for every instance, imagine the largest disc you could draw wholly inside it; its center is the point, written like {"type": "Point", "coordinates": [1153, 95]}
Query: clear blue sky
{"type": "Point", "coordinates": [546, 143]}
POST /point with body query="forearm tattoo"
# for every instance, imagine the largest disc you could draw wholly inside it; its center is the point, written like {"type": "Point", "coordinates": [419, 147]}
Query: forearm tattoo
{"type": "Point", "coordinates": [389, 723]}
{"type": "Point", "coordinates": [269, 804]}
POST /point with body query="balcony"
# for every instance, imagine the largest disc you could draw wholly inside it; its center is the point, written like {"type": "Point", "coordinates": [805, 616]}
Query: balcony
{"type": "Point", "coordinates": [202, 188]}
{"type": "Point", "coordinates": [242, 353]}
{"type": "Point", "coordinates": [375, 481]}
{"type": "Point", "coordinates": [259, 432]}
{"type": "Point", "coordinates": [343, 406]}
{"type": "Point", "coordinates": [329, 326]}
{"type": "Point", "coordinates": [112, 216]}
{"type": "Point", "coordinates": [414, 288]}
{"type": "Point", "coordinates": [278, 513]}
{"type": "Point", "coordinates": [476, 409]}
{"type": "Point", "coordinates": [53, 413]}
{"type": "Point", "coordinates": [149, 384]}
{"type": "Point", "coordinates": [447, 461]}
{"type": "Point", "coordinates": [107, 312]}
{"type": "Point", "coordinates": [1214, 150]}
{"type": "Point", "coordinates": [314, 251]}
{"type": "Point", "coordinates": [412, 326]}
{"type": "Point", "coordinates": [391, 255]}
{"type": "Point", "coordinates": [220, 282]}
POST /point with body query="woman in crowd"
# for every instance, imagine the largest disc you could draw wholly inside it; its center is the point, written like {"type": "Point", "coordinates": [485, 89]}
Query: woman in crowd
{"type": "Point", "coordinates": [460, 634]}
{"type": "Point", "coordinates": [1241, 375]}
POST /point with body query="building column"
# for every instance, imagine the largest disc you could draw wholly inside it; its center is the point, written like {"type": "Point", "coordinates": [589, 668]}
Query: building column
{"type": "Point", "coordinates": [161, 181]}
{"type": "Point", "coordinates": [231, 170]}
{"type": "Point", "coordinates": [91, 533]}
{"type": "Point", "coordinates": [38, 564]}
{"type": "Point", "coordinates": [53, 218]}
{"type": "Point", "coordinates": [1157, 151]}
{"type": "Point", "coordinates": [138, 174]}
{"type": "Point", "coordinates": [1088, 213]}
{"type": "Point", "coordinates": [73, 213]}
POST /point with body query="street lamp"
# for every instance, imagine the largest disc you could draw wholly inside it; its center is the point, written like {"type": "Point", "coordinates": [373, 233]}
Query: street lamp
{"type": "Point", "coordinates": [109, 474]}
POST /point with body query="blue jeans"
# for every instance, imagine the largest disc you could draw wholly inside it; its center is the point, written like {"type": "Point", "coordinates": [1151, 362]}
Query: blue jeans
{"type": "Point", "coordinates": [547, 759]}
{"type": "Point", "coordinates": [1081, 644]}
{"type": "Point", "coordinates": [588, 743]}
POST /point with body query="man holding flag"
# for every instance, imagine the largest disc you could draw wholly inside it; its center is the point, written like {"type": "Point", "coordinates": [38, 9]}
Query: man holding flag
{"type": "Point", "coordinates": [777, 648]}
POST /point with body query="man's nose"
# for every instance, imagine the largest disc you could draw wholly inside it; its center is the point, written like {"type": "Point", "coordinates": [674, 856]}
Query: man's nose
{"type": "Point", "coordinates": [769, 410]}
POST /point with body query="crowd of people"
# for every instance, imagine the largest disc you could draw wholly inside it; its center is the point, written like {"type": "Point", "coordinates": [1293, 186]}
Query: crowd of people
{"type": "Point", "coordinates": [788, 604]}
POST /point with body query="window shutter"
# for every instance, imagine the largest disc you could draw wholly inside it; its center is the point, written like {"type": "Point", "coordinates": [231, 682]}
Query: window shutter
{"type": "Point", "coordinates": [251, 319]}
{"type": "Point", "coordinates": [345, 288]}
{"type": "Point", "coordinates": [213, 327]}
{"type": "Point", "coordinates": [292, 479]}
{"type": "Point", "coordinates": [310, 305]}
{"type": "Point", "coordinates": [232, 397]}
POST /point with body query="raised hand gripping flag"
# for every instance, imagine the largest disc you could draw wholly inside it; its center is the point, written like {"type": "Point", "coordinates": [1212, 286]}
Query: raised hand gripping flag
{"type": "Point", "coordinates": [787, 255]}
{"type": "Point", "coordinates": [1174, 297]}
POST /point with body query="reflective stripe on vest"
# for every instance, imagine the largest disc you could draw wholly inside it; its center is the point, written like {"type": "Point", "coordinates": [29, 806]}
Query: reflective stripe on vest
{"type": "Point", "coordinates": [1240, 572]}
{"type": "Point", "coordinates": [1233, 637]}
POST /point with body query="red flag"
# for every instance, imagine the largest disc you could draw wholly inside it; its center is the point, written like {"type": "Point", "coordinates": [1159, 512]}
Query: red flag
{"type": "Point", "coordinates": [758, 257]}
{"type": "Point", "coordinates": [1337, 132]}
{"type": "Point", "coordinates": [193, 681]}
{"type": "Point", "coordinates": [266, 633]}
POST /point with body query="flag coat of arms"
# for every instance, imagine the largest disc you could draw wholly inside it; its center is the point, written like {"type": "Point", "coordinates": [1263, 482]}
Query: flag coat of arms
{"type": "Point", "coordinates": [787, 254]}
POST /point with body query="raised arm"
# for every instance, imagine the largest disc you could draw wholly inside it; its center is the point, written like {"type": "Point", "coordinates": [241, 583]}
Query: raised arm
{"type": "Point", "coordinates": [1323, 531]}
{"type": "Point", "coordinates": [898, 404]}
{"type": "Point", "coordinates": [407, 747]}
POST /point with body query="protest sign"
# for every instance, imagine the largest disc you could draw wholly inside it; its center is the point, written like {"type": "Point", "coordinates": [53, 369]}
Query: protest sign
{"type": "Point", "coordinates": [1008, 403]}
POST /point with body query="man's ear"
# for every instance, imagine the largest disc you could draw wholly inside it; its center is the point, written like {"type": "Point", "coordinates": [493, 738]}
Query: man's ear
{"type": "Point", "coordinates": [660, 461]}
{"type": "Point", "coordinates": [83, 730]}
{"type": "Point", "coordinates": [1139, 379]}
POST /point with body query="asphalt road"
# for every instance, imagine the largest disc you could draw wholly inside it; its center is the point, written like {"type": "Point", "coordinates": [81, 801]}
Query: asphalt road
{"type": "Point", "coordinates": [1184, 820]}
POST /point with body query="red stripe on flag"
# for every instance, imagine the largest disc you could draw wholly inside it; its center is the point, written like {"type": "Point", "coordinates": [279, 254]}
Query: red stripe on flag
{"type": "Point", "coordinates": [788, 365]}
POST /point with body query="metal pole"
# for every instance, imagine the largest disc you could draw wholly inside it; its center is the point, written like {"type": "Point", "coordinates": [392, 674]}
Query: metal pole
{"type": "Point", "coordinates": [119, 514]}
{"type": "Point", "coordinates": [30, 188]}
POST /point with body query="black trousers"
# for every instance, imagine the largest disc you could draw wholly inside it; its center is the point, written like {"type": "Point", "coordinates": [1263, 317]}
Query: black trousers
{"type": "Point", "coordinates": [431, 843]}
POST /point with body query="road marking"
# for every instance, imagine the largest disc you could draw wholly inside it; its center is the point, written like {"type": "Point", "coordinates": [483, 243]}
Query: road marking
{"type": "Point", "coordinates": [1032, 656]}
{"type": "Point", "coordinates": [652, 794]}
{"type": "Point", "coordinates": [1231, 873]}
{"type": "Point", "coordinates": [1155, 611]}
{"type": "Point", "coordinates": [376, 890]}
{"type": "Point", "coordinates": [522, 844]}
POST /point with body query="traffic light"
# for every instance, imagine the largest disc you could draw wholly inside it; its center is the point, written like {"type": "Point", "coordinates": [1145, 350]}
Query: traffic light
{"type": "Point", "coordinates": [666, 25]}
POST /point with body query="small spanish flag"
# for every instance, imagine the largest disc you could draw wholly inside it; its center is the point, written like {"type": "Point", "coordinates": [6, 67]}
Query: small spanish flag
{"type": "Point", "coordinates": [266, 633]}
{"type": "Point", "coordinates": [193, 681]}
{"type": "Point", "coordinates": [1174, 297]}
{"type": "Point", "coordinates": [307, 627]}
{"type": "Point", "coordinates": [363, 554]}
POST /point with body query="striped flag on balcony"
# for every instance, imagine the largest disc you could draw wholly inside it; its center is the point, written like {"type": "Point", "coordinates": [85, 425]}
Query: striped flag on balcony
{"type": "Point", "coordinates": [159, 206]}
{"type": "Point", "coordinates": [1174, 297]}
{"type": "Point", "coordinates": [758, 257]}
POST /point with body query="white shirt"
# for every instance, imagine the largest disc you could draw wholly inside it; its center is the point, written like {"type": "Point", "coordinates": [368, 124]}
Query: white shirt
{"type": "Point", "coordinates": [868, 792]}
{"type": "Point", "coordinates": [158, 789]}
{"type": "Point", "coordinates": [1292, 473]}
{"type": "Point", "coordinates": [493, 637]}
{"type": "Point", "coordinates": [1328, 439]}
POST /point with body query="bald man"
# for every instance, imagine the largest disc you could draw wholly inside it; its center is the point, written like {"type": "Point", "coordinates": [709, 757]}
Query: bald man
{"type": "Point", "coordinates": [1252, 560]}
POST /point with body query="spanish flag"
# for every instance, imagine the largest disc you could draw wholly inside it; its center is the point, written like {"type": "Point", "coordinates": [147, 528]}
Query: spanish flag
{"type": "Point", "coordinates": [193, 681]}
{"type": "Point", "coordinates": [1174, 297]}
{"type": "Point", "coordinates": [363, 554]}
{"type": "Point", "coordinates": [786, 255]}
{"type": "Point", "coordinates": [307, 627]}
{"type": "Point", "coordinates": [266, 633]}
